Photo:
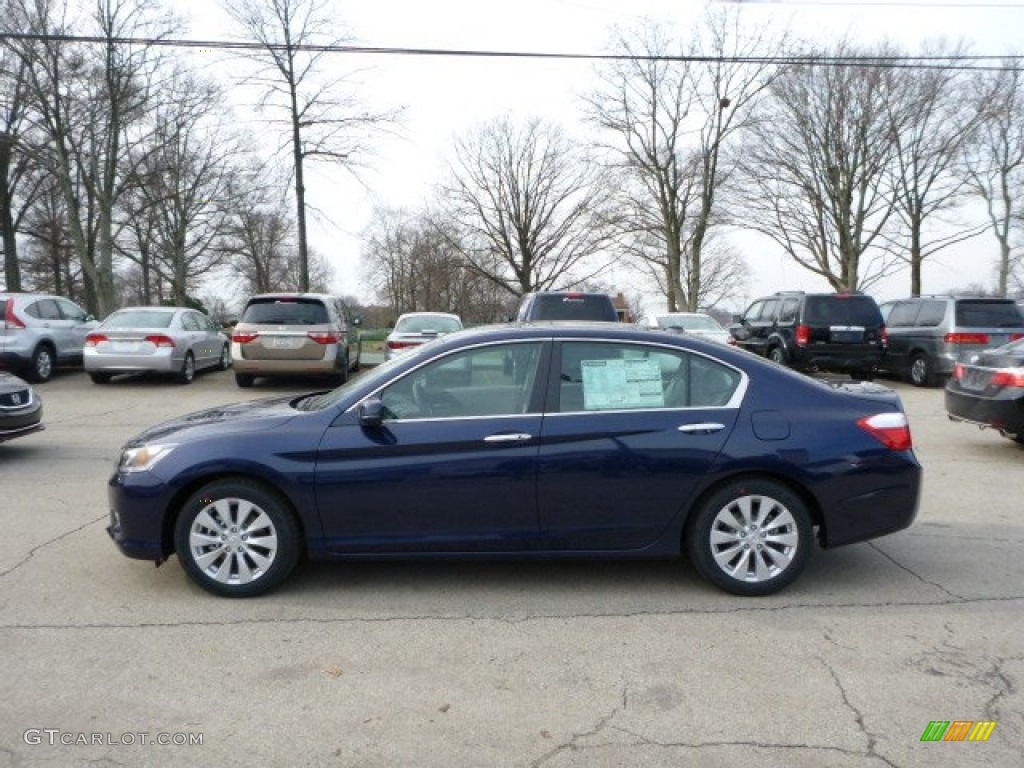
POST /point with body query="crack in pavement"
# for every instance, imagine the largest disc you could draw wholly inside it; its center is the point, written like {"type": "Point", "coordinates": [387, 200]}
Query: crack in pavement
{"type": "Point", "coordinates": [571, 744]}
{"type": "Point", "coordinates": [522, 619]}
{"type": "Point", "coordinates": [1003, 684]}
{"type": "Point", "coordinates": [917, 576]}
{"type": "Point", "coordinates": [871, 750]}
{"type": "Point", "coordinates": [31, 553]}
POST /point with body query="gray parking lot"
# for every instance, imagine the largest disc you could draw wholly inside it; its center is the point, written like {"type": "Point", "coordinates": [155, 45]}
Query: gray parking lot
{"type": "Point", "coordinates": [484, 664]}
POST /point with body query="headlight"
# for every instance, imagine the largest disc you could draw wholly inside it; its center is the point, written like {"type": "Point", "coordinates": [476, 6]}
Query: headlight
{"type": "Point", "coordinates": [142, 458]}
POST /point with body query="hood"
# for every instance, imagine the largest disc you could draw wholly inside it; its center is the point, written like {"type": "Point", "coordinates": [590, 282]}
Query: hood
{"type": "Point", "coordinates": [255, 415]}
{"type": "Point", "coordinates": [11, 383]}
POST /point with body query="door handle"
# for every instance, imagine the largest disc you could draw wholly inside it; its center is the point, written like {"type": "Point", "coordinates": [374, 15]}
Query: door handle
{"type": "Point", "coordinates": [704, 428]}
{"type": "Point", "coordinates": [511, 437]}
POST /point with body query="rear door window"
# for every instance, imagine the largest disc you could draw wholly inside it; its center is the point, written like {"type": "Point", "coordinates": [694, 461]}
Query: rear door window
{"type": "Point", "coordinates": [44, 309]}
{"type": "Point", "coordinates": [271, 311]}
{"type": "Point", "coordinates": [573, 307]}
{"type": "Point", "coordinates": [843, 310]}
{"type": "Point", "coordinates": [987, 314]}
{"type": "Point", "coordinates": [904, 314]}
{"type": "Point", "coordinates": [931, 314]}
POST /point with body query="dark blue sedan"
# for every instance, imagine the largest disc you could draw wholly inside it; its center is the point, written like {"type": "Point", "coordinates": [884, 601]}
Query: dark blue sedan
{"type": "Point", "coordinates": [527, 441]}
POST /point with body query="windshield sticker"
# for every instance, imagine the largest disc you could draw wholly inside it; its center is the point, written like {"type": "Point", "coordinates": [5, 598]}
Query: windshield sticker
{"type": "Point", "coordinates": [620, 384]}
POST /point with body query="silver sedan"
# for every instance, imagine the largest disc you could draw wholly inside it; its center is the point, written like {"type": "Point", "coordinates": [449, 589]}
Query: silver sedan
{"type": "Point", "coordinates": [170, 340]}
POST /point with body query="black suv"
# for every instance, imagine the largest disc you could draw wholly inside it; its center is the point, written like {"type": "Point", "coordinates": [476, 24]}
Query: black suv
{"type": "Point", "coordinates": [566, 305]}
{"type": "Point", "coordinates": [839, 332]}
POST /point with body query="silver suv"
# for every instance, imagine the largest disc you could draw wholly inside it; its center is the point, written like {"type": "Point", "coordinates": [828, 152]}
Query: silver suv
{"type": "Point", "coordinates": [40, 331]}
{"type": "Point", "coordinates": [928, 333]}
{"type": "Point", "coordinates": [295, 334]}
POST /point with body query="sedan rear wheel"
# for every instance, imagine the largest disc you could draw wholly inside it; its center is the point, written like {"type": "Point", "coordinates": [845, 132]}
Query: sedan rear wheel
{"type": "Point", "coordinates": [225, 358]}
{"type": "Point", "coordinates": [188, 369]}
{"type": "Point", "coordinates": [236, 538]}
{"type": "Point", "coordinates": [751, 537]}
{"type": "Point", "coordinates": [244, 380]}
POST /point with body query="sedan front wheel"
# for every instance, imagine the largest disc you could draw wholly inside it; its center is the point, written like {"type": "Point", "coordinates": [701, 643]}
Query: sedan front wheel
{"type": "Point", "coordinates": [236, 538]}
{"type": "Point", "coordinates": [752, 537]}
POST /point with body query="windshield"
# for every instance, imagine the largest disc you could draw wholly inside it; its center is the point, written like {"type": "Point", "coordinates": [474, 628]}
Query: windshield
{"type": "Point", "coordinates": [842, 310]}
{"type": "Point", "coordinates": [273, 311]}
{"type": "Point", "coordinates": [139, 318]}
{"type": "Point", "coordinates": [988, 314]}
{"type": "Point", "coordinates": [425, 323]}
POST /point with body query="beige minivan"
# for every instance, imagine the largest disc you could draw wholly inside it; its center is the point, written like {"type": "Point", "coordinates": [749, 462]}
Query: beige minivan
{"type": "Point", "coordinates": [295, 334]}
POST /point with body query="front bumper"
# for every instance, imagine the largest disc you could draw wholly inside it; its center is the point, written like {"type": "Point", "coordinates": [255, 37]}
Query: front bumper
{"type": "Point", "coordinates": [16, 422]}
{"type": "Point", "coordinates": [138, 502]}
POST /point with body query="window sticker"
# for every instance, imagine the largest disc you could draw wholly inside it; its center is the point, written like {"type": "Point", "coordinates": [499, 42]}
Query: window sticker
{"type": "Point", "coordinates": [622, 384]}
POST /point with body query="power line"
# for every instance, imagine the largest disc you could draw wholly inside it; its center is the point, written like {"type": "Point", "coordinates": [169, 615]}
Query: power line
{"type": "Point", "coordinates": [960, 61]}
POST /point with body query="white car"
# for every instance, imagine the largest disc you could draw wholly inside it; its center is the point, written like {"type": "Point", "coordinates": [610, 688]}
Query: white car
{"type": "Point", "coordinates": [415, 328]}
{"type": "Point", "coordinates": [694, 323]}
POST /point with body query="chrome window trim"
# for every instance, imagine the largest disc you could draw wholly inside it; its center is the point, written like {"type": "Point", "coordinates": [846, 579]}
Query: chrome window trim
{"type": "Point", "coordinates": [734, 403]}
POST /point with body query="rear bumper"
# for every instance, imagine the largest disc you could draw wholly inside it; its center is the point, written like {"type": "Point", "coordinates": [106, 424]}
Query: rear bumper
{"type": "Point", "coordinates": [1004, 411]}
{"type": "Point", "coordinates": [161, 361]}
{"type": "Point", "coordinates": [836, 360]}
{"type": "Point", "coordinates": [890, 506]}
{"type": "Point", "coordinates": [325, 367]}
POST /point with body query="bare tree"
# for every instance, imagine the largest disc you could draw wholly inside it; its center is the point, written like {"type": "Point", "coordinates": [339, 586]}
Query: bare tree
{"type": "Point", "coordinates": [415, 266]}
{"type": "Point", "coordinates": [817, 170]}
{"type": "Point", "coordinates": [529, 206]}
{"type": "Point", "coordinates": [995, 163]}
{"type": "Point", "coordinates": [319, 115]}
{"type": "Point", "coordinates": [178, 210]}
{"type": "Point", "coordinates": [88, 100]}
{"type": "Point", "coordinates": [932, 117]}
{"type": "Point", "coordinates": [671, 120]}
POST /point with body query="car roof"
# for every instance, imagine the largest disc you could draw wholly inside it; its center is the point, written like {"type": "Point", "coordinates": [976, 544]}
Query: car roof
{"type": "Point", "coordinates": [431, 314]}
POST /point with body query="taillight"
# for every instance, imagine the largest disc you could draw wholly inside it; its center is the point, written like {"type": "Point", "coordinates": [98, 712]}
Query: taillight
{"type": "Point", "coordinates": [243, 338]}
{"type": "Point", "coordinates": [94, 338]}
{"type": "Point", "coordinates": [891, 429]}
{"type": "Point", "coordinates": [401, 344]}
{"type": "Point", "coordinates": [966, 338]}
{"type": "Point", "coordinates": [324, 337]}
{"type": "Point", "coordinates": [9, 318]}
{"type": "Point", "coordinates": [1008, 379]}
{"type": "Point", "coordinates": [959, 371]}
{"type": "Point", "coordinates": [803, 335]}
{"type": "Point", "coordinates": [159, 340]}
{"type": "Point", "coordinates": [884, 334]}
{"type": "Point", "coordinates": [1016, 336]}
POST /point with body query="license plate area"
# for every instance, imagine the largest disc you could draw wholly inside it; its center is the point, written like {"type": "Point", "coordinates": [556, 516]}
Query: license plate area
{"type": "Point", "coordinates": [846, 334]}
{"type": "Point", "coordinates": [124, 347]}
{"type": "Point", "coordinates": [283, 342]}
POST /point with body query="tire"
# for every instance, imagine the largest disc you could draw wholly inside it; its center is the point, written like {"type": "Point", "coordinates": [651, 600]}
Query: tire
{"type": "Point", "coordinates": [187, 374]}
{"type": "Point", "coordinates": [236, 538]}
{"type": "Point", "coordinates": [730, 546]}
{"type": "Point", "coordinates": [225, 358]}
{"type": "Point", "coordinates": [778, 355]}
{"type": "Point", "coordinates": [41, 367]}
{"type": "Point", "coordinates": [921, 371]}
{"type": "Point", "coordinates": [244, 380]}
{"type": "Point", "coordinates": [99, 378]}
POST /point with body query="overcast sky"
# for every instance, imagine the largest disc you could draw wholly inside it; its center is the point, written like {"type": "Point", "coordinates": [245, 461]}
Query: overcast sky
{"type": "Point", "coordinates": [446, 96]}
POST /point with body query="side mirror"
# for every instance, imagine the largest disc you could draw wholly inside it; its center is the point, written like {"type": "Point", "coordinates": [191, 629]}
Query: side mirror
{"type": "Point", "coordinates": [371, 413]}
{"type": "Point", "coordinates": [739, 332]}
{"type": "Point", "coordinates": [737, 318]}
